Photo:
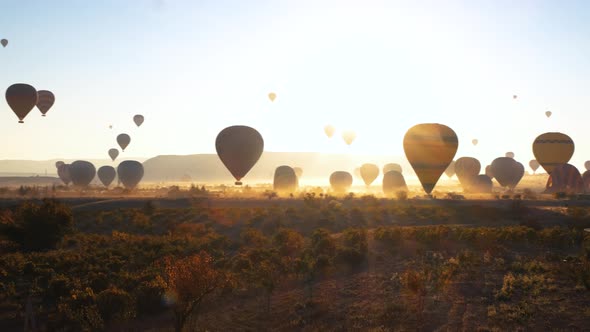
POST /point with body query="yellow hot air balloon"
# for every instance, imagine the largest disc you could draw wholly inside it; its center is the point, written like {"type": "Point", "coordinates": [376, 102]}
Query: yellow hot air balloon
{"type": "Point", "coordinates": [272, 96]}
{"type": "Point", "coordinates": [348, 136]}
{"type": "Point", "coordinates": [430, 148]}
{"type": "Point", "coordinates": [552, 150]}
{"type": "Point", "coordinates": [369, 173]}
{"type": "Point", "coordinates": [474, 141]}
{"type": "Point", "coordinates": [329, 130]}
{"type": "Point", "coordinates": [548, 114]}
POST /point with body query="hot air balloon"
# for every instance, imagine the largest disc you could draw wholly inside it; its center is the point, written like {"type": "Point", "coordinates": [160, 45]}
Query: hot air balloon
{"type": "Point", "coordinates": [272, 96]}
{"type": "Point", "coordinates": [489, 172]}
{"type": "Point", "coordinates": [113, 153]}
{"type": "Point", "coordinates": [430, 148]}
{"type": "Point", "coordinates": [548, 114]}
{"type": "Point", "coordinates": [82, 173]}
{"type": "Point", "coordinates": [534, 165]}
{"type": "Point", "coordinates": [110, 126]}
{"type": "Point", "coordinates": [239, 148]}
{"type": "Point", "coordinates": [130, 173]}
{"type": "Point", "coordinates": [123, 140]}
{"type": "Point", "coordinates": [564, 178]}
{"type": "Point", "coordinates": [586, 180]}
{"type": "Point", "coordinates": [357, 172]}
{"type": "Point", "coordinates": [58, 164]}
{"type": "Point", "coordinates": [474, 141]}
{"type": "Point", "coordinates": [587, 165]}
{"type": "Point", "coordinates": [393, 181]}
{"type": "Point", "coordinates": [138, 119]}
{"type": "Point", "coordinates": [553, 149]}
{"type": "Point", "coordinates": [4, 42]}
{"type": "Point", "coordinates": [298, 172]}
{"type": "Point", "coordinates": [392, 167]}
{"type": "Point", "coordinates": [507, 172]}
{"type": "Point", "coordinates": [514, 96]}
{"type": "Point", "coordinates": [467, 169]}
{"type": "Point", "coordinates": [369, 173]}
{"type": "Point", "coordinates": [450, 171]}
{"type": "Point", "coordinates": [509, 155]}
{"type": "Point", "coordinates": [45, 100]}
{"type": "Point", "coordinates": [329, 130]}
{"type": "Point", "coordinates": [106, 175]}
{"type": "Point", "coordinates": [63, 172]}
{"type": "Point", "coordinates": [285, 180]}
{"type": "Point", "coordinates": [21, 98]}
{"type": "Point", "coordinates": [482, 184]}
{"type": "Point", "coordinates": [348, 136]}
{"type": "Point", "coordinates": [340, 181]}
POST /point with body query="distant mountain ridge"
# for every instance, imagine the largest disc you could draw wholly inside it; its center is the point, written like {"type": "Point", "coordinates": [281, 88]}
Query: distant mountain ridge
{"type": "Point", "coordinates": [47, 167]}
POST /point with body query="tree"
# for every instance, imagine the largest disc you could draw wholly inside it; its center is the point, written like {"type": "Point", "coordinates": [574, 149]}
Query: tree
{"type": "Point", "coordinates": [189, 281]}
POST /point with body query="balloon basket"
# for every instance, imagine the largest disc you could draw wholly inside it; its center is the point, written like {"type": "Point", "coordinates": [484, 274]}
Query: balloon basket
{"type": "Point", "coordinates": [238, 183]}
{"type": "Point", "coordinates": [21, 121]}
{"type": "Point", "coordinates": [43, 115]}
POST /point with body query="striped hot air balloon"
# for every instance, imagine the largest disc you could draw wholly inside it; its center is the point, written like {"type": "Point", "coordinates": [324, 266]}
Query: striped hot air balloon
{"type": "Point", "coordinates": [565, 178]}
{"type": "Point", "coordinates": [552, 150]}
{"type": "Point", "coordinates": [430, 148]}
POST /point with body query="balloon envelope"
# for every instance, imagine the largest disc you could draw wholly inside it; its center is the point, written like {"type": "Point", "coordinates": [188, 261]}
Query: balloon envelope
{"type": "Point", "coordinates": [587, 165]}
{"type": "Point", "coordinates": [507, 171]}
{"type": "Point", "coordinates": [113, 153]}
{"type": "Point", "coordinates": [58, 164]}
{"type": "Point", "coordinates": [482, 184]}
{"type": "Point", "coordinates": [474, 141]}
{"type": "Point", "coordinates": [106, 175]}
{"type": "Point", "coordinates": [4, 42]}
{"type": "Point", "coordinates": [467, 169]}
{"type": "Point", "coordinates": [21, 98]}
{"type": "Point", "coordinates": [450, 171]}
{"type": "Point", "coordinates": [489, 171]}
{"type": "Point", "coordinates": [138, 119]}
{"type": "Point", "coordinates": [534, 165]}
{"type": "Point", "coordinates": [45, 100]}
{"type": "Point", "coordinates": [130, 173]}
{"type": "Point", "coordinates": [239, 148]}
{"type": "Point", "coordinates": [430, 148]}
{"type": "Point", "coordinates": [565, 178]}
{"type": "Point", "coordinates": [285, 180]}
{"type": "Point", "coordinates": [123, 140]}
{"type": "Point", "coordinates": [548, 114]}
{"type": "Point", "coordinates": [369, 173]}
{"type": "Point", "coordinates": [393, 181]}
{"type": "Point", "coordinates": [272, 96]}
{"type": "Point", "coordinates": [586, 180]}
{"type": "Point", "coordinates": [552, 150]}
{"type": "Point", "coordinates": [392, 167]}
{"type": "Point", "coordinates": [340, 181]}
{"type": "Point", "coordinates": [348, 136]}
{"type": "Point", "coordinates": [298, 172]}
{"type": "Point", "coordinates": [63, 171]}
{"type": "Point", "coordinates": [82, 173]}
{"type": "Point", "coordinates": [329, 130]}
{"type": "Point", "coordinates": [509, 155]}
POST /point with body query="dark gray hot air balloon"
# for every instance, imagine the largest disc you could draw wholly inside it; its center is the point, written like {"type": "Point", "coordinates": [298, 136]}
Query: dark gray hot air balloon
{"type": "Point", "coordinates": [369, 172]}
{"type": "Point", "coordinates": [586, 181]}
{"type": "Point", "coordinates": [393, 181]}
{"type": "Point", "coordinates": [138, 119]}
{"type": "Point", "coordinates": [58, 163]}
{"type": "Point", "coordinates": [340, 181]}
{"type": "Point", "coordinates": [482, 184]}
{"type": "Point", "coordinates": [45, 100]}
{"type": "Point", "coordinates": [130, 173]}
{"type": "Point", "coordinates": [21, 98]}
{"type": "Point", "coordinates": [507, 171]}
{"type": "Point", "coordinates": [285, 180]}
{"type": "Point", "coordinates": [430, 148]}
{"type": "Point", "coordinates": [106, 175]}
{"type": "Point", "coordinates": [123, 140]}
{"type": "Point", "coordinates": [63, 171]}
{"type": "Point", "coordinates": [4, 42]}
{"type": "Point", "coordinates": [392, 167]}
{"type": "Point", "coordinates": [113, 153]}
{"type": "Point", "coordinates": [82, 173]}
{"type": "Point", "coordinates": [239, 148]}
{"type": "Point", "coordinates": [467, 169]}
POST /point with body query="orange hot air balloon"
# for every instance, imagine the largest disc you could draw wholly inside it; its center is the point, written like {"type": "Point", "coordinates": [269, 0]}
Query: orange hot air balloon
{"type": "Point", "coordinates": [329, 130]}
{"type": "Point", "coordinates": [552, 150]}
{"type": "Point", "coordinates": [21, 98]}
{"type": "Point", "coordinates": [565, 178]}
{"type": "Point", "coordinates": [430, 148]}
{"type": "Point", "coordinates": [123, 140]}
{"type": "Point", "coordinates": [45, 100]}
{"type": "Point", "coordinates": [467, 169]}
{"type": "Point", "coordinates": [348, 136]}
{"type": "Point", "coordinates": [369, 173]}
{"type": "Point", "coordinates": [106, 175]}
{"type": "Point", "coordinates": [340, 181]}
{"type": "Point", "coordinates": [239, 148]}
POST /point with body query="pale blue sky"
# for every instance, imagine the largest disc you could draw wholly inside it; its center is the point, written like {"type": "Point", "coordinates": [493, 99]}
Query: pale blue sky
{"type": "Point", "coordinates": [377, 67]}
